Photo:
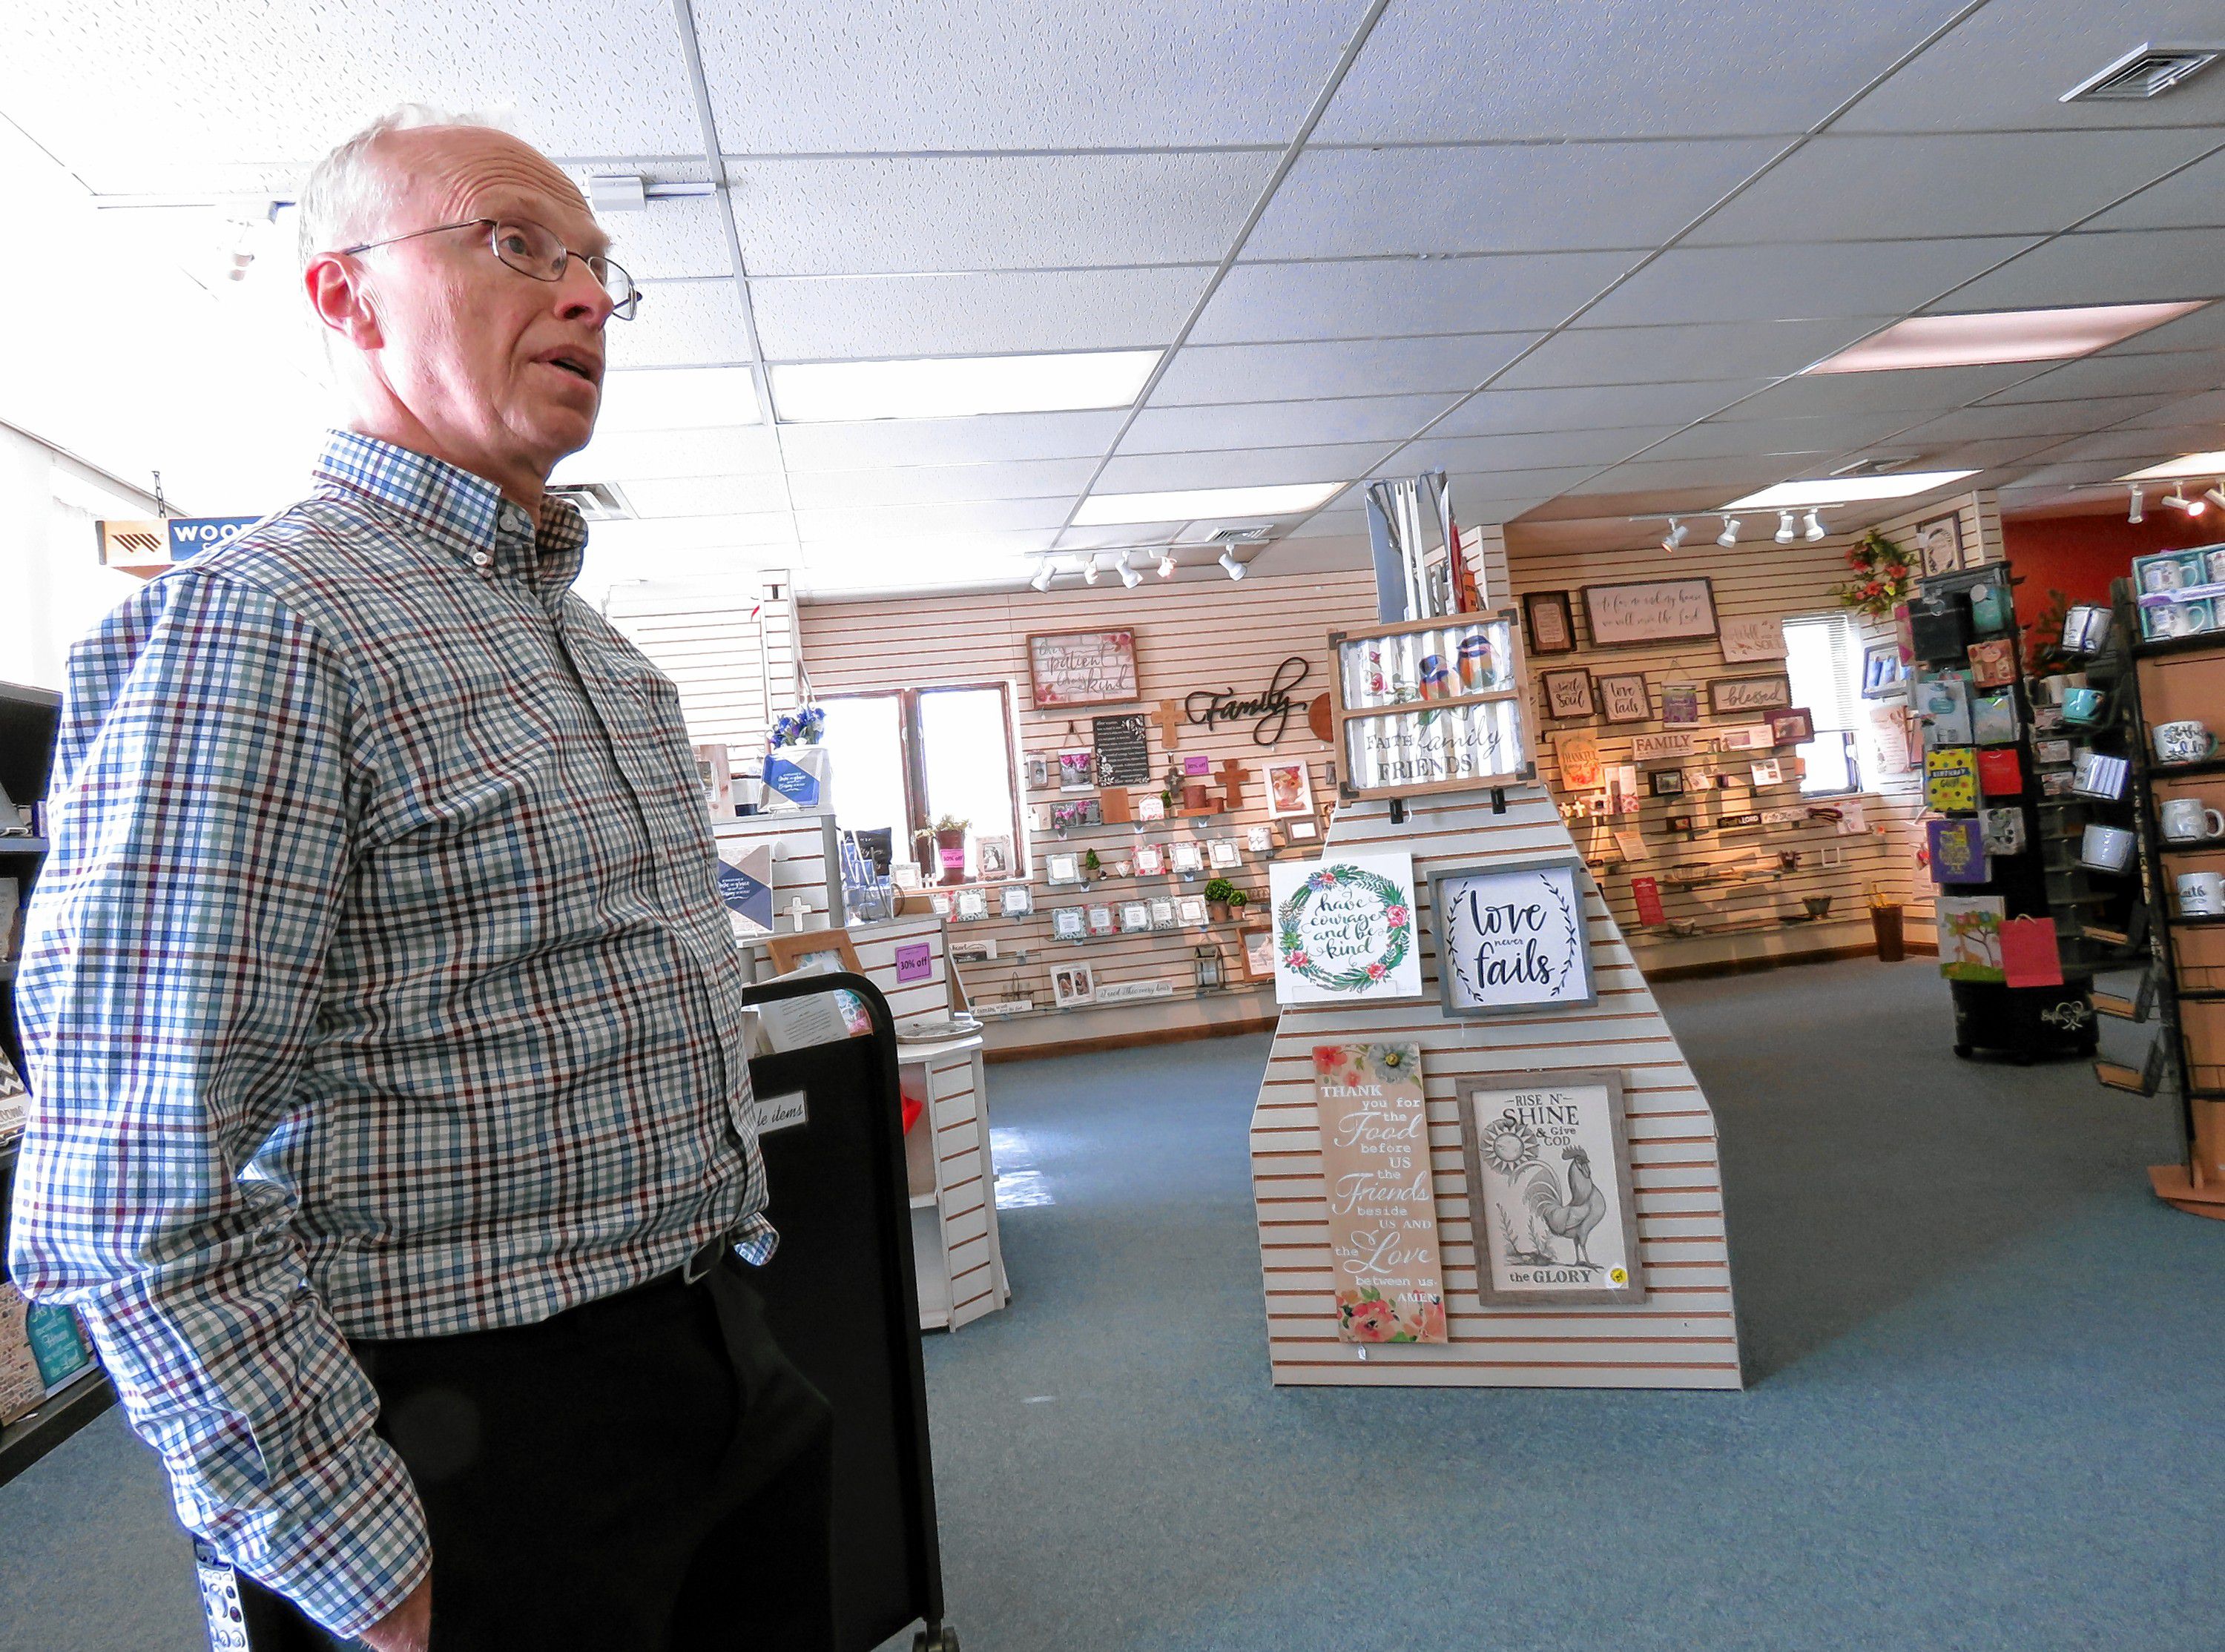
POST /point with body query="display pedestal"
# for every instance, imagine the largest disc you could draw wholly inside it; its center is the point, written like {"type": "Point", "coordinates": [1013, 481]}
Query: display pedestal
{"type": "Point", "coordinates": [1683, 1334]}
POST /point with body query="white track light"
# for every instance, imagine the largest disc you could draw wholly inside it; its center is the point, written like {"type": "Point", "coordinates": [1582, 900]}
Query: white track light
{"type": "Point", "coordinates": [1042, 581]}
{"type": "Point", "coordinates": [1167, 564]}
{"type": "Point", "coordinates": [1814, 525]}
{"type": "Point", "coordinates": [2138, 512]}
{"type": "Point", "coordinates": [1728, 537]}
{"type": "Point", "coordinates": [1129, 577]}
{"type": "Point", "coordinates": [2215, 494]}
{"type": "Point", "coordinates": [2176, 498]}
{"type": "Point", "coordinates": [1784, 528]}
{"type": "Point", "coordinates": [1228, 561]}
{"type": "Point", "coordinates": [1675, 536]}
{"type": "Point", "coordinates": [1089, 572]}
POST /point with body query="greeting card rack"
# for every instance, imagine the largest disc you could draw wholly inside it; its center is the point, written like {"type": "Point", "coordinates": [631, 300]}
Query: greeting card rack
{"type": "Point", "coordinates": [2183, 982]}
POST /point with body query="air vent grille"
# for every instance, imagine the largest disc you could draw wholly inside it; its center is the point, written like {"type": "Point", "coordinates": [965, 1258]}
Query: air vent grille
{"type": "Point", "coordinates": [1877, 464]}
{"type": "Point", "coordinates": [598, 501]}
{"type": "Point", "coordinates": [2145, 72]}
{"type": "Point", "coordinates": [1237, 536]}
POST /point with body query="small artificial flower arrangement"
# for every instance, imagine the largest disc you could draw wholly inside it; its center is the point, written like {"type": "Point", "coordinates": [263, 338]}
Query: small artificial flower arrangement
{"type": "Point", "coordinates": [801, 727]}
{"type": "Point", "coordinates": [1882, 580]}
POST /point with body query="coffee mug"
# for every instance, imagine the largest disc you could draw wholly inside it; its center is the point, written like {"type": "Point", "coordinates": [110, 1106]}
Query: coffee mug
{"type": "Point", "coordinates": [2201, 895]}
{"type": "Point", "coordinates": [2188, 819]}
{"type": "Point", "coordinates": [2106, 848]}
{"type": "Point", "coordinates": [2082, 706]}
{"type": "Point", "coordinates": [2162, 574]}
{"type": "Point", "coordinates": [2188, 741]}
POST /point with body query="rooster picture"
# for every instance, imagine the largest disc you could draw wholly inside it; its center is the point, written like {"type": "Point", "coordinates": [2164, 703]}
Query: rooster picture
{"type": "Point", "coordinates": [1572, 1219]}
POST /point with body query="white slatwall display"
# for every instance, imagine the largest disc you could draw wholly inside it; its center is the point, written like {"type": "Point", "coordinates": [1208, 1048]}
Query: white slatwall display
{"type": "Point", "coordinates": [805, 864]}
{"type": "Point", "coordinates": [730, 647]}
{"type": "Point", "coordinates": [1756, 578]}
{"type": "Point", "coordinates": [1683, 1335]}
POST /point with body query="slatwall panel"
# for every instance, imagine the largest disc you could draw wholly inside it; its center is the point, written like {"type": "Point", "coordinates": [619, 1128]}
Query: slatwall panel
{"type": "Point", "coordinates": [876, 946]}
{"type": "Point", "coordinates": [732, 648]}
{"type": "Point", "coordinates": [1683, 1335]}
{"type": "Point", "coordinates": [1189, 635]}
{"type": "Point", "coordinates": [803, 865]}
{"type": "Point", "coordinates": [1756, 577]}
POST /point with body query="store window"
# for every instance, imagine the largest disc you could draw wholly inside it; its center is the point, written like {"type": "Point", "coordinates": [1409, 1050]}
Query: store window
{"type": "Point", "coordinates": [912, 757]}
{"type": "Point", "coordinates": [1822, 656]}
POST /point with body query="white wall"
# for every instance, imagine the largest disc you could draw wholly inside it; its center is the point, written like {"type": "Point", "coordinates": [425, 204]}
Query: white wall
{"type": "Point", "coordinates": [53, 589]}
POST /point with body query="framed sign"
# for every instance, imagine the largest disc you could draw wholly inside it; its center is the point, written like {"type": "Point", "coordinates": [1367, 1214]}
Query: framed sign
{"type": "Point", "coordinates": [1649, 611]}
{"type": "Point", "coordinates": [1652, 748]}
{"type": "Point", "coordinates": [1566, 693]}
{"type": "Point", "coordinates": [1432, 705]}
{"type": "Point", "coordinates": [1549, 1188]}
{"type": "Point", "coordinates": [1345, 929]}
{"type": "Point", "coordinates": [1577, 752]}
{"type": "Point", "coordinates": [1680, 705]}
{"type": "Point", "coordinates": [1551, 630]}
{"type": "Point", "coordinates": [1123, 752]}
{"type": "Point", "coordinates": [1748, 638]}
{"type": "Point", "coordinates": [1623, 698]}
{"type": "Point", "coordinates": [745, 888]}
{"type": "Point", "coordinates": [1731, 696]}
{"type": "Point", "coordinates": [1793, 726]}
{"type": "Point", "coordinates": [1288, 789]}
{"type": "Point", "coordinates": [1883, 670]}
{"type": "Point", "coordinates": [829, 949]}
{"type": "Point", "coordinates": [1939, 542]}
{"type": "Point", "coordinates": [1381, 1199]}
{"type": "Point", "coordinates": [1511, 937]}
{"type": "Point", "coordinates": [1082, 669]}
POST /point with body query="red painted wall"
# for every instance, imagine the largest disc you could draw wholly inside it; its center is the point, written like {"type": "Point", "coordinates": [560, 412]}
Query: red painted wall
{"type": "Point", "coordinates": [2080, 555]}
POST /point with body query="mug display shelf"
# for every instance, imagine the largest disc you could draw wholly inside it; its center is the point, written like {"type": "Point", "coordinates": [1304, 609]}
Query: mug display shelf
{"type": "Point", "coordinates": [2186, 770]}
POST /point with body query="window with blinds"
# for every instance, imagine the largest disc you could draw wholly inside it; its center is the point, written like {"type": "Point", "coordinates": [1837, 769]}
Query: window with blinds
{"type": "Point", "coordinates": [1823, 657]}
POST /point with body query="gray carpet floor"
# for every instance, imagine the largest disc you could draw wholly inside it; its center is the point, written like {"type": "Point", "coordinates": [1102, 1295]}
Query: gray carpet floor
{"type": "Point", "coordinates": [1984, 1410]}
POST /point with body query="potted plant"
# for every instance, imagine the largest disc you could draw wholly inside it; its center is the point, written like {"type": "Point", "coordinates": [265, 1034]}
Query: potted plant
{"type": "Point", "coordinates": [1220, 895]}
{"type": "Point", "coordinates": [1237, 899]}
{"type": "Point", "coordinates": [949, 836]}
{"type": "Point", "coordinates": [1093, 867]}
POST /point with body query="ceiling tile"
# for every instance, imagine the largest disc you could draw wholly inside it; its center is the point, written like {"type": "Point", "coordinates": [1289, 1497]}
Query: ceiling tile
{"type": "Point", "coordinates": [878, 317]}
{"type": "Point", "coordinates": [1749, 438]}
{"type": "Point", "coordinates": [1213, 373]}
{"type": "Point", "coordinates": [682, 324]}
{"type": "Point", "coordinates": [1873, 188]}
{"type": "Point", "coordinates": [1434, 70]}
{"type": "Point", "coordinates": [1769, 283]}
{"type": "Point", "coordinates": [1562, 449]}
{"type": "Point", "coordinates": [705, 495]}
{"type": "Point", "coordinates": [2136, 448]}
{"type": "Point", "coordinates": [1513, 412]}
{"type": "Point", "coordinates": [2193, 198]}
{"type": "Point", "coordinates": [1282, 424]}
{"type": "Point", "coordinates": [1159, 473]}
{"type": "Point", "coordinates": [908, 484]}
{"type": "Point", "coordinates": [141, 97]}
{"type": "Point", "coordinates": [2112, 267]}
{"type": "Point", "coordinates": [1924, 390]}
{"type": "Point", "coordinates": [2177, 372]}
{"type": "Point", "coordinates": [1120, 536]}
{"type": "Point", "coordinates": [1727, 477]}
{"type": "Point", "coordinates": [1498, 198]}
{"type": "Point", "coordinates": [859, 76]}
{"type": "Point", "coordinates": [961, 212]}
{"type": "Point", "coordinates": [1586, 355]}
{"type": "Point", "coordinates": [988, 439]}
{"type": "Point", "coordinates": [2208, 408]}
{"type": "Point", "coordinates": [621, 455]}
{"type": "Point", "coordinates": [676, 236]}
{"type": "Point", "coordinates": [2005, 67]}
{"type": "Point", "coordinates": [1992, 418]}
{"type": "Point", "coordinates": [879, 524]}
{"type": "Point", "coordinates": [1374, 299]}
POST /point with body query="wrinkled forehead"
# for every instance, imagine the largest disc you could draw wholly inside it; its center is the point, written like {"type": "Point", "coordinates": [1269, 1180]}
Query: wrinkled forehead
{"type": "Point", "coordinates": [447, 174]}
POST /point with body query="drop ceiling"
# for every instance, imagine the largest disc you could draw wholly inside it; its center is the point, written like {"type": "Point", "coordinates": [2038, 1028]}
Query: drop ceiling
{"type": "Point", "coordinates": [1371, 238]}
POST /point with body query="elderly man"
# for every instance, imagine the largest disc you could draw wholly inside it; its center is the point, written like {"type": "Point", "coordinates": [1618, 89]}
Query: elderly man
{"type": "Point", "coordinates": [394, 1130]}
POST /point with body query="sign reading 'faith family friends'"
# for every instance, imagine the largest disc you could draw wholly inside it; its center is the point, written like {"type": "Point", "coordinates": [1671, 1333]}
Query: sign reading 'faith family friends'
{"type": "Point", "coordinates": [1381, 1199]}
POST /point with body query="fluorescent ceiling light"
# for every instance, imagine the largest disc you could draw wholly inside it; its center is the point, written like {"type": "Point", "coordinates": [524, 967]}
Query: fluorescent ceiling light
{"type": "Point", "coordinates": [2000, 336]}
{"type": "Point", "coordinates": [2210, 464]}
{"type": "Point", "coordinates": [1283, 499]}
{"type": "Point", "coordinates": [1845, 490]}
{"type": "Point", "coordinates": [817, 392]}
{"type": "Point", "coordinates": [677, 398]}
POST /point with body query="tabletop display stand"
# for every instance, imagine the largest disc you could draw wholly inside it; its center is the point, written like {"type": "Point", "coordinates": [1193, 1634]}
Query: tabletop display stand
{"type": "Point", "coordinates": [2182, 959]}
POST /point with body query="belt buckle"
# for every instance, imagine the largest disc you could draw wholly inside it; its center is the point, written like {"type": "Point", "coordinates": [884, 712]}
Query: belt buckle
{"type": "Point", "coordinates": [698, 1266]}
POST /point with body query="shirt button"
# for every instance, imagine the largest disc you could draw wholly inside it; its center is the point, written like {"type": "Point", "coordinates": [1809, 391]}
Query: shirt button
{"type": "Point", "coordinates": [480, 558]}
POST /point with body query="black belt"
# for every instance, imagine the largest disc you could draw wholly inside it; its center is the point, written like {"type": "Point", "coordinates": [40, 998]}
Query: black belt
{"type": "Point", "coordinates": [706, 1257]}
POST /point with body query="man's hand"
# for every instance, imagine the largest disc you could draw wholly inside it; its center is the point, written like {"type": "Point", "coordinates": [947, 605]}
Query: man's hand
{"type": "Point", "coordinates": [408, 1627]}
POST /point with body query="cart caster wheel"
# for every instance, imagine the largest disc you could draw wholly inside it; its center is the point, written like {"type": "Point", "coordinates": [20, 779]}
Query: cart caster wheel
{"type": "Point", "coordinates": [944, 1639]}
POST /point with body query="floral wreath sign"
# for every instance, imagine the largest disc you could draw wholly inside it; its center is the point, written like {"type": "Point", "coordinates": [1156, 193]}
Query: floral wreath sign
{"type": "Point", "coordinates": [1345, 929]}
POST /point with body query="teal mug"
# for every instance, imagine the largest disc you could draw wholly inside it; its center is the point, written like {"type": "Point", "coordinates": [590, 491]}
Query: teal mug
{"type": "Point", "coordinates": [2082, 706]}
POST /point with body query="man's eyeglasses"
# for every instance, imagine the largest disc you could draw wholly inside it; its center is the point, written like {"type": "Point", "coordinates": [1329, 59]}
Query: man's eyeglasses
{"type": "Point", "coordinates": [531, 250]}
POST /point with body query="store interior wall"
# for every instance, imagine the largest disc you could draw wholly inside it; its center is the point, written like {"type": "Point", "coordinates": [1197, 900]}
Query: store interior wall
{"type": "Point", "coordinates": [2080, 555]}
{"type": "Point", "coordinates": [57, 589]}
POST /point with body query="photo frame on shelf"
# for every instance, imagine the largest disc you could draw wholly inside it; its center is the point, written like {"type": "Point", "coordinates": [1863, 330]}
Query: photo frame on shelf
{"type": "Point", "coordinates": [1883, 670]}
{"type": "Point", "coordinates": [1667, 783]}
{"type": "Point", "coordinates": [994, 856]}
{"type": "Point", "coordinates": [1223, 853]}
{"type": "Point", "coordinates": [1567, 692]}
{"type": "Point", "coordinates": [1290, 788]}
{"type": "Point", "coordinates": [1101, 921]}
{"type": "Point", "coordinates": [1165, 915]}
{"type": "Point", "coordinates": [795, 948]}
{"type": "Point", "coordinates": [1299, 831]}
{"type": "Point", "coordinates": [1062, 868]}
{"type": "Point", "coordinates": [1074, 668]}
{"type": "Point", "coordinates": [1015, 901]}
{"type": "Point", "coordinates": [1151, 860]}
{"type": "Point", "coordinates": [1041, 770]}
{"type": "Point", "coordinates": [1938, 543]}
{"type": "Point", "coordinates": [1069, 923]}
{"type": "Point", "coordinates": [1743, 696]}
{"type": "Point", "coordinates": [1190, 910]}
{"type": "Point", "coordinates": [1187, 856]}
{"type": "Point", "coordinates": [1623, 698]}
{"type": "Point", "coordinates": [1258, 952]}
{"type": "Point", "coordinates": [1072, 984]}
{"type": "Point", "coordinates": [1513, 936]}
{"type": "Point", "coordinates": [1792, 725]}
{"type": "Point", "coordinates": [970, 906]}
{"type": "Point", "coordinates": [1537, 1146]}
{"type": "Point", "coordinates": [1551, 625]}
{"type": "Point", "coordinates": [1135, 916]}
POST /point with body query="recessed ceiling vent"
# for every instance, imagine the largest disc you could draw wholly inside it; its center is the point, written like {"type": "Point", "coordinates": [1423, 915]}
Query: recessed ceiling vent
{"type": "Point", "coordinates": [1877, 464]}
{"type": "Point", "coordinates": [598, 501]}
{"type": "Point", "coordinates": [1237, 536]}
{"type": "Point", "coordinates": [2144, 72]}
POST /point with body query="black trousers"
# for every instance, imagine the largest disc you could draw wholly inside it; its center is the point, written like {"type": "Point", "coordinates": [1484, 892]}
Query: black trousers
{"type": "Point", "coordinates": [643, 1473]}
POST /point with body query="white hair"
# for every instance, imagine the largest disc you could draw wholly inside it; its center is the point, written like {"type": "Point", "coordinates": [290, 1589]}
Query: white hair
{"type": "Point", "coordinates": [349, 194]}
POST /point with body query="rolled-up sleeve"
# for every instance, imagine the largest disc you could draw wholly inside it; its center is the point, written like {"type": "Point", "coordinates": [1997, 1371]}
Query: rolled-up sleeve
{"type": "Point", "coordinates": [202, 822]}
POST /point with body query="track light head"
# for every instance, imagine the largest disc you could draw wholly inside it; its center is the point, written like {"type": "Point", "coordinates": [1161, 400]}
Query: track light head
{"type": "Point", "coordinates": [1129, 577]}
{"type": "Point", "coordinates": [1728, 537]}
{"type": "Point", "coordinates": [1234, 567]}
{"type": "Point", "coordinates": [1089, 571]}
{"type": "Point", "coordinates": [1167, 564]}
{"type": "Point", "coordinates": [1814, 525]}
{"type": "Point", "coordinates": [1042, 581]}
{"type": "Point", "coordinates": [1676, 535]}
{"type": "Point", "coordinates": [1784, 528]}
{"type": "Point", "coordinates": [2215, 493]}
{"type": "Point", "coordinates": [2138, 511]}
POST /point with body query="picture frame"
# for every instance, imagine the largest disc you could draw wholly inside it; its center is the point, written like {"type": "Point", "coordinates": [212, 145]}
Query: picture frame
{"type": "Point", "coordinates": [1041, 770]}
{"type": "Point", "coordinates": [1637, 613]}
{"type": "Point", "coordinates": [1667, 783]}
{"type": "Point", "coordinates": [1015, 901]}
{"type": "Point", "coordinates": [1223, 853]}
{"type": "Point", "coordinates": [970, 906]}
{"type": "Point", "coordinates": [1151, 860]}
{"type": "Point", "coordinates": [1075, 669]}
{"type": "Point", "coordinates": [1623, 697]}
{"type": "Point", "coordinates": [1883, 670]}
{"type": "Point", "coordinates": [1069, 923]}
{"type": "Point", "coordinates": [1551, 625]}
{"type": "Point", "coordinates": [1187, 856]}
{"type": "Point", "coordinates": [1165, 915]}
{"type": "Point", "coordinates": [1747, 639]}
{"type": "Point", "coordinates": [1258, 942]}
{"type": "Point", "coordinates": [1072, 984]}
{"type": "Point", "coordinates": [1101, 921]}
{"type": "Point", "coordinates": [1297, 832]}
{"type": "Point", "coordinates": [1525, 1137]}
{"type": "Point", "coordinates": [796, 947]}
{"type": "Point", "coordinates": [1938, 543]}
{"type": "Point", "coordinates": [1077, 769]}
{"type": "Point", "coordinates": [1190, 911]}
{"type": "Point", "coordinates": [993, 858]}
{"type": "Point", "coordinates": [1135, 916]}
{"type": "Point", "coordinates": [1513, 936]}
{"type": "Point", "coordinates": [1680, 706]}
{"type": "Point", "coordinates": [1290, 788]}
{"type": "Point", "coordinates": [1792, 725]}
{"type": "Point", "coordinates": [1743, 696]}
{"type": "Point", "coordinates": [1566, 693]}
{"type": "Point", "coordinates": [1063, 870]}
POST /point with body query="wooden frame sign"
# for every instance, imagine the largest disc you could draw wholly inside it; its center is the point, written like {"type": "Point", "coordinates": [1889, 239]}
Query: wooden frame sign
{"type": "Point", "coordinates": [1551, 629]}
{"type": "Point", "coordinates": [1549, 1188]}
{"type": "Point", "coordinates": [1649, 611]}
{"type": "Point", "coordinates": [1733, 696]}
{"type": "Point", "coordinates": [794, 948]}
{"type": "Point", "coordinates": [1432, 705]}
{"type": "Point", "coordinates": [1067, 668]}
{"type": "Point", "coordinates": [1511, 936]}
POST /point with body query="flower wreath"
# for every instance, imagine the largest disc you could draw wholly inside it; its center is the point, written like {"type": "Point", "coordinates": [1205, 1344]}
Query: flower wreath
{"type": "Point", "coordinates": [1882, 576]}
{"type": "Point", "coordinates": [1397, 918]}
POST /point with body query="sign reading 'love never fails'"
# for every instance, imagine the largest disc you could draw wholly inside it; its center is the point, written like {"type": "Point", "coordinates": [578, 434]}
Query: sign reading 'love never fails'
{"type": "Point", "coordinates": [1382, 1202]}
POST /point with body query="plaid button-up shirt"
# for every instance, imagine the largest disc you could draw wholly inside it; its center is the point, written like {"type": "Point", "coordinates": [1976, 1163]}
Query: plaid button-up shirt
{"type": "Point", "coordinates": [376, 986]}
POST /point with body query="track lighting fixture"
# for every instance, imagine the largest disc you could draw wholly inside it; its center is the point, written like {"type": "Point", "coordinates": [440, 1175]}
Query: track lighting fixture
{"type": "Point", "coordinates": [1784, 528]}
{"type": "Point", "coordinates": [1042, 581]}
{"type": "Point", "coordinates": [1089, 572]}
{"type": "Point", "coordinates": [1728, 537]}
{"type": "Point", "coordinates": [2177, 500]}
{"type": "Point", "coordinates": [1129, 577]}
{"type": "Point", "coordinates": [2139, 510]}
{"type": "Point", "coordinates": [1167, 563]}
{"type": "Point", "coordinates": [1814, 525]}
{"type": "Point", "coordinates": [1675, 537]}
{"type": "Point", "coordinates": [1228, 561]}
{"type": "Point", "coordinates": [2215, 493]}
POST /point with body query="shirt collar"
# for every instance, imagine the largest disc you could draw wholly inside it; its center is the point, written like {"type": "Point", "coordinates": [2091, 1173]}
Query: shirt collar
{"type": "Point", "coordinates": [464, 514]}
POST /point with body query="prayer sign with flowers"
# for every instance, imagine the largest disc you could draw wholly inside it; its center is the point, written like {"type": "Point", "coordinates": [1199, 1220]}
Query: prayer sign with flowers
{"type": "Point", "coordinates": [1345, 929]}
{"type": "Point", "coordinates": [1381, 1199]}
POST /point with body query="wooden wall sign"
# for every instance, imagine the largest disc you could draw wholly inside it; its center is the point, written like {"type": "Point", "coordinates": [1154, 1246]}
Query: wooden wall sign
{"type": "Point", "coordinates": [1429, 706]}
{"type": "Point", "coordinates": [1576, 753]}
{"type": "Point", "coordinates": [1270, 709]}
{"type": "Point", "coordinates": [1550, 1190]}
{"type": "Point", "coordinates": [1566, 693]}
{"type": "Point", "coordinates": [1623, 698]}
{"type": "Point", "coordinates": [1082, 668]}
{"type": "Point", "coordinates": [1511, 937]}
{"type": "Point", "coordinates": [1651, 611]}
{"type": "Point", "coordinates": [1653, 748]}
{"type": "Point", "coordinates": [1345, 929]}
{"type": "Point", "coordinates": [1123, 749]}
{"type": "Point", "coordinates": [1382, 1200]}
{"type": "Point", "coordinates": [1730, 696]}
{"type": "Point", "coordinates": [1551, 629]}
{"type": "Point", "coordinates": [1751, 637]}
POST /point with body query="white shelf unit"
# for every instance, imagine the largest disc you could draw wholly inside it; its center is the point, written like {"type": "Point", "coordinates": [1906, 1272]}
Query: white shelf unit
{"type": "Point", "coordinates": [952, 1175]}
